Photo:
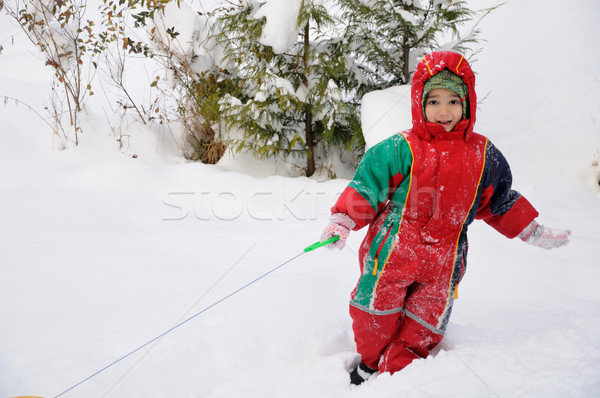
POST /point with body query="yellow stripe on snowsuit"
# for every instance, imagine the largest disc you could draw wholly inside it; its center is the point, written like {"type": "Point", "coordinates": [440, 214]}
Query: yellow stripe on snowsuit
{"type": "Point", "coordinates": [459, 62]}
{"type": "Point", "coordinates": [397, 155]}
{"type": "Point", "coordinates": [427, 63]}
{"type": "Point", "coordinates": [401, 218]}
{"type": "Point", "coordinates": [387, 258]}
{"type": "Point", "coordinates": [458, 238]}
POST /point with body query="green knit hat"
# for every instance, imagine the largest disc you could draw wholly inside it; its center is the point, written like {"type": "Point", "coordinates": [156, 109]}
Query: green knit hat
{"type": "Point", "coordinates": [449, 81]}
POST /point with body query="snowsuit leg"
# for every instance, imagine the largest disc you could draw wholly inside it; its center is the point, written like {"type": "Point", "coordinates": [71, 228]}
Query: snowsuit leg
{"type": "Point", "coordinates": [412, 341]}
{"type": "Point", "coordinates": [373, 333]}
{"type": "Point", "coordinates": [416, 337]}
{"type": "Point", "coordinates": [391, 341]}
{"type": "Point", "coordinates": [411, 304]}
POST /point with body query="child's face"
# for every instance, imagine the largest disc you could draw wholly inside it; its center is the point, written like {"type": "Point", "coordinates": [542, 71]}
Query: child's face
{"type": "Point", "coordinates": [443, 107]}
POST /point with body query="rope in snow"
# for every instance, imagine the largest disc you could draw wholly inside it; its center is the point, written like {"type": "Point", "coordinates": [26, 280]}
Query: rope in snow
{"type": "Point", "coordinates": [186, 321]}
{"type": "Point", "coordinates": [475, 373]}
{"type": "Point", "coordinates": [182, 317]}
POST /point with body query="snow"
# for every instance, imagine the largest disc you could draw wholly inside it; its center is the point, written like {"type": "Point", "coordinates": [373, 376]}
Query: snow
{"type": "Point", "coordinates": [101, 252]}
{"type": "Point", "coordinates": [182, 19]}
{"type": "Point", "coordinates": [281, 28]}
{"type": "Point", "coordinates": [385, 113]}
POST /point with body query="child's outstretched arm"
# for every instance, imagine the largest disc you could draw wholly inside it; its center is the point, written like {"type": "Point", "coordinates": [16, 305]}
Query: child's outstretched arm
{"type": "Point", "coordinates": [501, 207]}
{"type": "Point", "coordinates": [544, 237]}
{"type": "Point", "coordinates": [510, 213]}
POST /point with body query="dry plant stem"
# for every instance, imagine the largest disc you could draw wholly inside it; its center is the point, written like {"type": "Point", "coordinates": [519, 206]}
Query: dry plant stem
{"type": "Point", "coordinates": [57, 30]}
{"type": "Point", "coordinates": [17, 101]}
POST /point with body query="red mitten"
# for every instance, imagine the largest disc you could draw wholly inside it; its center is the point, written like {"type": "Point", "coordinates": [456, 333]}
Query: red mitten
{"type": "Point", "coordinates": [544, 237]}
{"type": "Point", "coordinates": [340, 225]}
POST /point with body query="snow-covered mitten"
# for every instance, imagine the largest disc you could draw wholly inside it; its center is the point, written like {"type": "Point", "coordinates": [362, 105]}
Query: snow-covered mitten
{"type": "Point", "coordinates": [544, 237]}
{"type": "Point", "coordinates": [340, 225]}
{"type": "Point", "coordinates": [361, 374]}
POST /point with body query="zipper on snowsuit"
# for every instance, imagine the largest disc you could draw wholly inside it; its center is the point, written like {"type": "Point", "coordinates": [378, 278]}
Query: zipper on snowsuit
{"type": "Point", "coordinates": [385, 238]}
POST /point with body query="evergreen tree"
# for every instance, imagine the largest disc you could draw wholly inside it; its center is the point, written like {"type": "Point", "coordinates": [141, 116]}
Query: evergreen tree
{"type": "Point", "coordinates": [295, 101]}
{"type": "Point", "coordinates": [388, 36]}
{"type": "Point", "coordinates": [305, 98]}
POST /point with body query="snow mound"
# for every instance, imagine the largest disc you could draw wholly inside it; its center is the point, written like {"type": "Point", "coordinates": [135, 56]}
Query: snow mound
{"type": "Point", "coordinates": [385, 113]}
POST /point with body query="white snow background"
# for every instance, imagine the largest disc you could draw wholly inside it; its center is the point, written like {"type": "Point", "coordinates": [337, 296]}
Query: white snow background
{"type": "Point", "coordinates": [101, 252]}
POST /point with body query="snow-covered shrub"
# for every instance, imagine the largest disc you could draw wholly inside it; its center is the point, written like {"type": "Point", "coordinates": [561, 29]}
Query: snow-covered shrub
{"type": "Point", "coordinates": [69, 45]}
{"type": "Point", "coordinates": [191, 85]}
{"type": "Point", "coordinates": [201, 116]}
{"type": "Point", "coordinates": [296, 90]}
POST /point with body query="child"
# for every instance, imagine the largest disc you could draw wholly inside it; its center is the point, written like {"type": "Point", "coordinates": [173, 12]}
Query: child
{"type": "Point", "coordinates": [418, 191]}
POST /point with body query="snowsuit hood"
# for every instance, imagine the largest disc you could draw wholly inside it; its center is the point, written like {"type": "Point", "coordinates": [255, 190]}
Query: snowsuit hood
{"type": "Point", "coordinates": [429, 66]}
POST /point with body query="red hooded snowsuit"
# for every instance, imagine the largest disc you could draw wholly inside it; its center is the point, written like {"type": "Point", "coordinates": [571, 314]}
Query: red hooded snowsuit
{"type": "Point", "coordinates": [418, 191]}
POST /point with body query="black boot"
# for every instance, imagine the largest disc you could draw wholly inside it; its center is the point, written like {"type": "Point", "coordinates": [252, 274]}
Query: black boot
{"type": "Point", "coordinates": [361, 374]}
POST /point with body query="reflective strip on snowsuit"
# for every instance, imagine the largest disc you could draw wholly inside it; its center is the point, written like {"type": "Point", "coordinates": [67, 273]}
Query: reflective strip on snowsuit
{"type": "Point", "coordinates": [418, 191]}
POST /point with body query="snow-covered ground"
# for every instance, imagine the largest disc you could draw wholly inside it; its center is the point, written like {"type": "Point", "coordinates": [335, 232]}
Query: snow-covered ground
{"type": "Point", "coordinates": [101, 252]}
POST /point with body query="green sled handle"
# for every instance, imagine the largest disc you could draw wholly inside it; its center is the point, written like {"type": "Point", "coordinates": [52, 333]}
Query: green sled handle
{"type": "Point", "coordinates": [321, 244]}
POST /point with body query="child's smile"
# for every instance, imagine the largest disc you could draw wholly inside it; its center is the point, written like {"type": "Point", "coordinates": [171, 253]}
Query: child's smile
{"type": "Point", "coordinates": [443, 107]}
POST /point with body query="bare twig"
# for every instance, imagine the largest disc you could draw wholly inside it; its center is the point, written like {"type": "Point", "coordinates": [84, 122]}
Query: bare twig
{"type": "Point", "coordinates": [6, 99]}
